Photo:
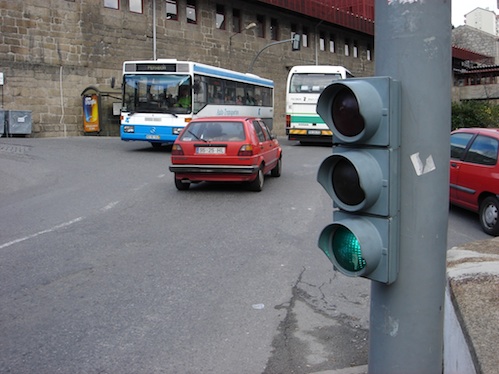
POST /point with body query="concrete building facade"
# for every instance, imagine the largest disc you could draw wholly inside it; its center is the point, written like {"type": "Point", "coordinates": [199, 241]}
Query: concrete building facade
{"type": "Point", "coordinates": [475, 69]}
{"type": "Point", "coordinates": [51, 51]}
{"type": "Point", "coordinates": [482, 19]}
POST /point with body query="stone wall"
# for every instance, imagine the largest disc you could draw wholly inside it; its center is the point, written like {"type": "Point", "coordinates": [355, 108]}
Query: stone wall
{"type": "Point", "coordinates": [51, 50]}
{"type": "Point", "coordinates": [475, 40]}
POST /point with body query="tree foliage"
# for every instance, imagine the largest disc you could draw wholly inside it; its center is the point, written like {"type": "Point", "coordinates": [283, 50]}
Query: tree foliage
{"type": "Point", "coordinates": [474, 114]}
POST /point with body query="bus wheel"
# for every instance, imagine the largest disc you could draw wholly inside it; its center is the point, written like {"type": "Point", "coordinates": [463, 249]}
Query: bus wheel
{"type": "Point", "coordinates": [181, 186]}
{"type": "Point", "coordinates": [257, 184]}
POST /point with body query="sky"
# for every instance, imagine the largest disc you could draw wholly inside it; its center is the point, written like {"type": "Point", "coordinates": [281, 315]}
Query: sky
{"type": "Point", "coordinates": [462, 7]}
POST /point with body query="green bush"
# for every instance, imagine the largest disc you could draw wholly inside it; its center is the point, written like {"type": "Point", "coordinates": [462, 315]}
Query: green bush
{"type": "Point", "coordinates": [474, 114]}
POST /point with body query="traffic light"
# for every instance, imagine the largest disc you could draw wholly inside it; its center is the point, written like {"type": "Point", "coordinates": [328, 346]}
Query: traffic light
{"type": "Point", "coordinates": [362, 176]}
{"type": "Point", "coordinates": [296, 42]}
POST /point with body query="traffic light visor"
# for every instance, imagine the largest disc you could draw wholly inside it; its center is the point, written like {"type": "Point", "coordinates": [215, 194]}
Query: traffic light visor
{"type": "Point", "coordinates": [353, 245]}
{"type": "Point", "coordinates": [352, 109]}
{"type": "Point", "coordinates": [352, 179]}
{"type": "Point", "coordinates": [345, 113]}
{"type": "Point", "coordinates": [346, 183]}
{"type": "Point", "coordinates": [347, 250]}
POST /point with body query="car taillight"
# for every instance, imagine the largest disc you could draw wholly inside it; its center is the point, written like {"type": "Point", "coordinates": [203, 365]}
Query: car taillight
{"type": "Point", "coordinates": [177, 150]}
{"type": "Point", "coordinates": [246, 150]}
{"type": "Point", "coordinates": [288, 120]}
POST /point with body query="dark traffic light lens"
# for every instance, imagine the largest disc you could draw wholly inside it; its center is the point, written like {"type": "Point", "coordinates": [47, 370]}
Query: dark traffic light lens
{"type": "Point", "coordinates": [346, 116]}
{"type": "Point", "coordinates": [347, 251]}
{"type": "Point", "coordinates": [346, 183]}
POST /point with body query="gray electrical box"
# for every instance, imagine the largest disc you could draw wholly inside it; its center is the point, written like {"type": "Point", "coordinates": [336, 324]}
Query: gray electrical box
{"type": "Point", "coordinates": [18, 122]}
{"type": "Point", "coordinates": [2, 122]}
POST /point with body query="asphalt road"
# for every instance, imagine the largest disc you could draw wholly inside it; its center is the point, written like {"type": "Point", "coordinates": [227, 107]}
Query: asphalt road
{"type": "Point", "coordinates": [106, 268]}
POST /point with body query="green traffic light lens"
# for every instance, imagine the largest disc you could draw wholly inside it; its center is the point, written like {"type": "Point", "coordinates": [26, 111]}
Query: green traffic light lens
{"type": "Point", "coordinates": [347, 250]}
{"type": "Point", "coordinates": [346, 114]}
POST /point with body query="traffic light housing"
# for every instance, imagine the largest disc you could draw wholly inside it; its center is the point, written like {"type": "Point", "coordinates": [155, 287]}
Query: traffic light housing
{"type": "Point", "coordinates": [296, 42]}
{"type": "Point", "coordinates": [362, 176]}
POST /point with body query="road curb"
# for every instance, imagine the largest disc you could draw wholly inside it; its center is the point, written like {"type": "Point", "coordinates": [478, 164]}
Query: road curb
{"type": "Point", "coordinates": [352, 370]}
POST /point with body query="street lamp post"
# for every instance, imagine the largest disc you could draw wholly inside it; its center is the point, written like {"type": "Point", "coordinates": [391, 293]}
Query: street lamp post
{"type": "Point", "coordinates": [295, 46]}
{"type": "Point", "coordinates": [252, 25]}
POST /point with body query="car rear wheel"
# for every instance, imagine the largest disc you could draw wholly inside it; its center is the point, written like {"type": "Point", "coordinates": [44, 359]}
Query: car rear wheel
{"type": "Point", "coordinates": [489, 215]}
{"type": "Point", "coordinates": [181, 186]}
{"type": "Point", "coordinates": [257, 184]}
{"type": "Point", "coordinates": [276, 171]}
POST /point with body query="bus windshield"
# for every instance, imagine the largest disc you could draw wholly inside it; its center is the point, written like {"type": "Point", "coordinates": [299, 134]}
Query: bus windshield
{"type": "Point", "coordinates": [152, 93]}
{"type": "Point", "coordinates": [311, 82]}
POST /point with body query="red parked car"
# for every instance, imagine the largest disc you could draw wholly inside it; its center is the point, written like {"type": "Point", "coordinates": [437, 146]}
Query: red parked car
{"type": "Point", "coordinates": [474, 174]}
{"type": "Point", "coordinates": [225, 149]}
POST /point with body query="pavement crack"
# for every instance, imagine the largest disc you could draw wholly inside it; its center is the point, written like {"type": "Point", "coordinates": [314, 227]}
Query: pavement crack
{"type": "Point", "coordinates": [315, 335]}
{"type": "Point", "coordinates": [287, 350]}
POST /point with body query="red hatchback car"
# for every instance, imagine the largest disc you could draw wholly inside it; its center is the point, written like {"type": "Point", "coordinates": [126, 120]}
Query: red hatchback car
{"type": "Point", "coordinates": [225, 149]}
{"type": "Point", "coordinates": [474, 174]}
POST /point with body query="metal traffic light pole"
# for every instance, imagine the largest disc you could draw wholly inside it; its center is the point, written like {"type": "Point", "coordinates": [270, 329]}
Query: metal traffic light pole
{"type": "Point", "coordinates": [412, 40]}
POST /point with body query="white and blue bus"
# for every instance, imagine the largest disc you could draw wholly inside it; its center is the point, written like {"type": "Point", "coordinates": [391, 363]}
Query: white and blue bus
{"type": "Point", "coordinates": [160, 97]}
{"type": "Point", "coordinates": [303, 88]}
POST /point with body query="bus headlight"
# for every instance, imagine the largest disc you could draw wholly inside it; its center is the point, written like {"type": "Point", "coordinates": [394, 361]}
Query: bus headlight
{"type": "Point", "coordinates": [128, 129]}
{"type": "Point", "coordinates": [177, 130]}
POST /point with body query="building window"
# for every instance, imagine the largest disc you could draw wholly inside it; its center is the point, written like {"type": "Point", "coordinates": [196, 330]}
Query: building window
{"type": "Point", "coordinates": [171, 10]}
{"type": "Point", "coordinates": [332, 46]}
{"type": "Point", "coordinates": [135, 6]}
{"type": "Point", "coordinates": [191, 11]}
{"type": "Point", "coordinates": [322, 41]}
{"type": "Point", "coordinates": [294, 30]}
{"type": "Point", "coordinates": [355, 49]}
{"type": "Point", "coordinates": [236, 20]}
{"type": "Point", "coordinates": [260, 26]}
{"type": "Point", "coordinates": [304, 37]}
{"type": "Point", "coordinates": [368, 52]}
{"type": "Point", "coordinates": [347, 47]}
{"type": "Point", "coordinates": [220, 17]}
{"type": "Point", "coordinates": [113, 4]}
{"type": "Point", "coordinates": [274, 29]}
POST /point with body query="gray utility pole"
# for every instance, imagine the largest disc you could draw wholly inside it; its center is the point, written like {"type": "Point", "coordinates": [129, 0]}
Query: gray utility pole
{"type": "Point", "coordinates": [413, 45]}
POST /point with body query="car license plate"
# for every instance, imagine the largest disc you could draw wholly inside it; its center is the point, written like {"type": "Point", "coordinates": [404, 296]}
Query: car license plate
{"type": "Point", "coordinates": [314, 132]}
{"type": "Point", "coordinates": [156, 137]}
{"type": "Point", "coordinates": [210, 150]}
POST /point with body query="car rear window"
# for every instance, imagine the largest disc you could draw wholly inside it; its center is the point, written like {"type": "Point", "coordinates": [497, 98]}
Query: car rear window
{"type": "Point", "coordinates": [224, 131]}
{"type": "Point", "coordinates": [483, 151]}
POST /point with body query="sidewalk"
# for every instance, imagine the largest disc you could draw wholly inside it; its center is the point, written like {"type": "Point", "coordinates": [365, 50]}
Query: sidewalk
{"type": "Point", "coordinates": [471, 318]}
{"type": "Point", "coordinates": [473, 291]}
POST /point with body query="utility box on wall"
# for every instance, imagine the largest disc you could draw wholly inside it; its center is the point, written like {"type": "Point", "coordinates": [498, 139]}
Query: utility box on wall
{"type": "Point", "coordinates": [2, 122]}
{"type": "Point", "coordinates": [18, 122]}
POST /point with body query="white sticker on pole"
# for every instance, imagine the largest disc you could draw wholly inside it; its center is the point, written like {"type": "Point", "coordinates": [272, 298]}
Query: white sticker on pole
{"type": "Point", "coordinates": [418, 164]}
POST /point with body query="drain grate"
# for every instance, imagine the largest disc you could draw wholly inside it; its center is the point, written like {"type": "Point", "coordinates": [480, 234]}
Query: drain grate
{"type": "Point", "coordinates": [15, 149]}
